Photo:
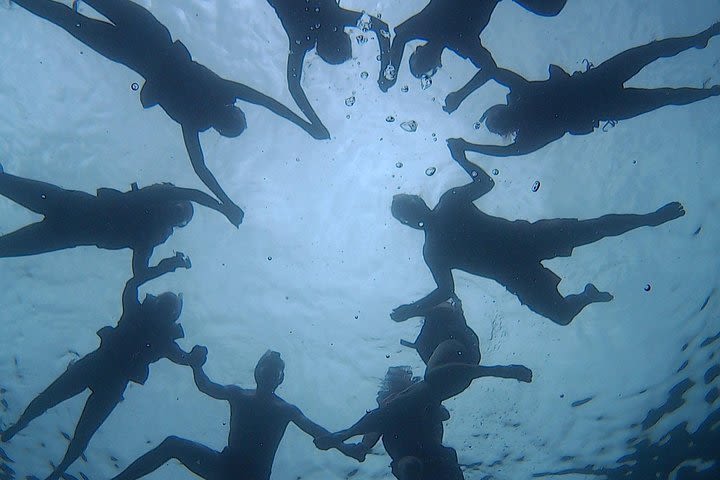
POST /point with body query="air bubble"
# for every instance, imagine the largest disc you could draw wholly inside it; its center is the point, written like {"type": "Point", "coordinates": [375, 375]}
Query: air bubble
{"type": "Point", "coordinates": [399, 164]}
{"type": "Point", "coordinates": [347, 116]}
{"type": "Point", "coordinates": [425, 82]}
{"type": "Point", "coordinates": [477, 125]}
{"type": "Point", "coordinates": [647, 287]}
{"type": "Point", "coordinates": [361, 39]}
{"type": "Point", "coordinates": [405, 89]}
{"type": "Point", "coordinates": [421, 224]}
{"type": "Point", "coordinates": [384, 32]}
{"type": "Point", "coordinates": [495, 171]}
{"type": "Point", "coordinates": [390, 119]}
{"type": "Point", "coordinates": [350, 101]}
{"type": "Point", "coordinates": [269, 258]}
{"type": "Point", "coordinates": [135, 86]}
{"type": "Point", "coordinates": [364, 75]}
{"type": "Point", "coordinates": [389, 72]}
{"type": "Point", "coordinates": [430, 171]}
{"type": "Point", "coordinates": [536, 186]}
{"type": "Point", "coordinates": [410, 126]}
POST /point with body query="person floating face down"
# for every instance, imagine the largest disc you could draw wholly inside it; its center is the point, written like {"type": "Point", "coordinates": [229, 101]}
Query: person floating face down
{"type": "Point", "coordinates": [139, 219]}
{"type": "Point", "coordinates": [258, 419]}
{"type": "Point", "coordinates": [443, 322]}
{"type": "Point", "coordinates": [539, 112]}
{"type": "Point", "coordinates": [409, 420]}
{"type": "Point", "coordinates": [455, 25]}
{"type": "Point", "coordinates": [190, 93]}
{"type": "Point", "coordinates": [145, 333]}
{"type": "Point", "coordinates": [320, 24]}
{"type": "Point", "coordinates": [458, 235]}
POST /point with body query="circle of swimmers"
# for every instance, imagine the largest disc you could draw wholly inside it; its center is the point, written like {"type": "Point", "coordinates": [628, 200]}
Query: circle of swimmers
{"type": "Point", "coordinates": [458, 235]}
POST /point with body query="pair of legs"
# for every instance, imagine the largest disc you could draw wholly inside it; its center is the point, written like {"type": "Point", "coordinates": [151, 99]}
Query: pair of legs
{"type": "Point", "coordinates": [106, 394]}
{"type": "Point", "coordinates": [133, 38]}
{"type": "Point", "coordinates": [632, 102]}
{"type": "Point", "coordinates": [45, 199]}
{"type": "Point", "coordinates": [199, 459]}
{"type": "Point", "coordinates": [536, 286]}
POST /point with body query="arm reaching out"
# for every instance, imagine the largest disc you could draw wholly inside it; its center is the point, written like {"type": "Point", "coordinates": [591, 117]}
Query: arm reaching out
{"type": "Point", "coordinates": [316, 431]}
{"type": "Point", "coordinates": [445, 289]}
{"type": "Point", "coordinates": [166, 265]}
{"type": "Point", "coordinates": [231, 211]}
{"type": "Point", "coordinates": [482, 183]}
{"type": "Point", "coordinates": [210, 388]}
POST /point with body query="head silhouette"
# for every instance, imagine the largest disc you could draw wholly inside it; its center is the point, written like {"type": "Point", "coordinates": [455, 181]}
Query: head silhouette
{"type": "Point", "coordinates": [410, 210]}
{"type": "Point", "coordinates": [229, 121]}
{"type": "Point", "coordinates": [180, 213]}
{"type": "Point", "coordinates": [396, 380]}
{"type": "Point", "coordinates": [269, 371]}
{"type": "Point", "coordinates": [499, 119]}
{"type": "Point", "coordinates": [426, 59]}
{"type": "Point", "coordinates": [333, 45]}
{"type": "Point", "coordinates": [165, 307]}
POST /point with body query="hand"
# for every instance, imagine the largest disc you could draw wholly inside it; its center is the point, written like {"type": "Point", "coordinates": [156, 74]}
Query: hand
{"type": "Point", "coordinates": [327, 442]}
{"type": "Point", "coordinates": [358, 451]}
{"type": "Point", "coordinates": [452, 102]}
{"type": "Point", "coordinates": [234, 213]}
{"type": "Point", "coordinates": [173, 263]}
{"type": "Point", "coordinates": [524, 374]}
{"type": "Point", "coordinates": [198, 356]}
{"type": "Point", "coordinates": [403, 312]}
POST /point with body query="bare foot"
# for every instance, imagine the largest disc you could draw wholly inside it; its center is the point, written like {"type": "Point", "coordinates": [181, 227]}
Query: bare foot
{"type": "Point", "coordinates": [671, 211]}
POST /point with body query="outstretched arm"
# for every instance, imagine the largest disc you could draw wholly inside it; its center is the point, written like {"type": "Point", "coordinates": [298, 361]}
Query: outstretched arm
{"type": "Point", "coordinates": [445, 289]}
{"type": "Point", "coordinates": [212, 389]}
{"type": "Point", "coordinates": [451, 379]}
{"type": "Point", "coordinates": [294, 74]}
{"type": "Point", "coordinates": [250, 95]}
{"type": "Point", "coordinates": [178, 356]}
{"type": "Point", "coordinates": [509, 79]}
{"type": "Point", "coordinates": [370, 423]}
{"type": "Point", "coordinates": [481, 184]}
{"type": "Point", "coordinates": [235, 215]}
{"type": "Point", "coordinates": [141, 260]}
{"type": "Point", "coordinates": [166, 265]}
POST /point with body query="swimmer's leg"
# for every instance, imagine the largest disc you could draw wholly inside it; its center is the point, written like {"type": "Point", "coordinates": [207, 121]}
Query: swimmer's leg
{"type": "Point", "coordinates": [71, 383]}
{"type": "Point", "coordinates": [585, 232]}
{"type": "Point", "coordinates": [40, 197]}
{"type": "Point", "coordinates": [294, 74]}
{"type": "Point", "coordinates": [199, 459]}
{"type": "Point", "coordinates": [627, 64]}
{"type": "Point", "coordinates": [637, 101]}
{"type": "Point", "coordinates": [103, 37]}
{"type": "Point", "coordinates": [98, 407]}
{"type": "Point", "coordinates": [537, 288]}
{"type": "Point", "coordinates": [482, 59]}
{"type": "Point", "coordinates": [408, 468]}
{"type": "Point", "coordinates": [133, 21]}
{"type": "Point", "coordinates": [37, 238]}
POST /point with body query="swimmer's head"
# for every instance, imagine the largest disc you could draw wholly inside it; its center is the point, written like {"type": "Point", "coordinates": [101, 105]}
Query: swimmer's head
{"type": "Point", "coordinates": [396, 380]}
{"type": "Point", "coordinates": [229, 121]}
{"type": "Point", "coordinates": [500, 120]}
{"type": "Point", "coordinates": [181, 213]}
{"type": "Point", "coordinates": [165, 307]}
{"type": "Point", "coordinates": [269, 371]}
{"type": "Point", "coordinates": [334, 45]}
{"type": "Point", "coordinates": [425, 60]}
{"type": "Point", "coordinates": [410, 210]}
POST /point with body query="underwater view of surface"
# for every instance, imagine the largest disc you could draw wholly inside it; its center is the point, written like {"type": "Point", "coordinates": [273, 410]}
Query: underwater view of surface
{"type": "Point", "coordinates": [386, 194]}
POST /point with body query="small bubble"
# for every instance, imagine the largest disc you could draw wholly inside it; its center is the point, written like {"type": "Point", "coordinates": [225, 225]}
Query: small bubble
{"type": "Point", "coordinates": [390, 119]}
{"type": "Point", "coordinates": [387, 356]}
{"type": "Point", "coordinates": [421, 224]}
{"type": "Point", "coordinates": [477, 125]}
{"type": "Point", "coordinates": [495, 171]}
{"type": "Point", "coordinates": [430, 171]}
{"type": "Point", "coordinates": [269, 258]}
{"type": "Point", "coordinates": [536, 186]}
{"type": "Point", "coordinates": [405, 89]}
{"type": "Point", "coordinates": [350, 101]}
{"type": "Point", "coordinates": [389, 72]}
{"type": "Point", "coordinates": [297, 159]}
{"type": "Point", "coordinates": [647, 287]}
{"type": "Point", "coordinates": [361, 39]}
{"type": "Point", "coordinates": [425, 82]}
{"type": "Point", "coordinates": [347, 116]}
{"type": "Point", "coordinates": [43, 196]}
{"type": "Point", "coordinates": [384, 32]}
{"type": "Point", "coordinates": [410, 126]}
{"type": "Point", "coordinates": [473, 174]}
{"type": "Point", "coordinates": [317, 25]}
{"type": "Point", "coordinates": [135, 86]}
{"type": "Point", "coordinates": [356, 317]}
{"type": "Point", "coordinates": [364, 75]}
{"type": "Point", "coordinates": [399, 164]}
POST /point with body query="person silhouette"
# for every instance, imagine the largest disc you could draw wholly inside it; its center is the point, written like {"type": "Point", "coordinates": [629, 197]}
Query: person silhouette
{"type": "Point", "coordinates": [539, 112]}
{"type": "Point", "coordinates": [458, 235]}
{"type": "Point", "coordinates": [190, 93]}
{"type": "Point", "coordinates": [320, 24]}
{"type": "Point", "coordinates": [442, 322]}
{"type": "Point", "coordinates": [145, 333]}
{"type": "Point", "coordinates": [454, 25]}
{"type": "Point", "coordinates": [410, 421]}
{"type": "Point", "coordinates": [139, 219]}
{"type": "Point", "coordinates": [258, 419]}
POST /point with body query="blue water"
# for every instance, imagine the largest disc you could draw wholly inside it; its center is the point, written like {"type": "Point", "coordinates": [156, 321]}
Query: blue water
{"type": "Point", "coordinates": [319, 262]}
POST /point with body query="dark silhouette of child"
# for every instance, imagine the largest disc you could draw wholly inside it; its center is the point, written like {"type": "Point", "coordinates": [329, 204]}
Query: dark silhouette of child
{"type": "Point", "coordinates": [455, 25]}
{"type": "Point", "coordinates": [410, 422]}
{"type": "Point", "coordinates": [443, 322]}
{"type": "Point", "coordinates": [139, 219]}
{"type": "Point", "coordinates": [320, 24]}
{"type": "Point", "coordinates": [190, 93]}
{"type": "Point", "coordinates": [458, 235]}
{"type": "Point", "coordinates": [145, 333]}
{"type": "Point", "coordinates": [540, 112]}
{"type": "Point", "coordinates": [258, 419]}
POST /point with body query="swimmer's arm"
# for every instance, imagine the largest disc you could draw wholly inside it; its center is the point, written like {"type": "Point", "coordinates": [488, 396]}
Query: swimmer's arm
{"type": "Point", "coordinates": [445, 289]}
{"type": "Point", "coordinates": [212, 389]}
{"type": "Point", "coordinates": [517, 148]}
{"type": "Point", "coordinates": [471, 372]}
{"type": "Point", "coordinates": [370, 423]}
{"type": "Point", "coordinates": [382, 32]}
{"type": "Point", "coordinates": [481, 184]}
{"type": "Point", "coordinates": [166, 265]}
{"type": "Point", "coordinates": [141, 259]}
{"type": "Point", "coordinates": [509, 79]}
{"type": "Point", "coordinates": [250, 95]}
{"type": "Point", "coordinates": [179, 356]}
